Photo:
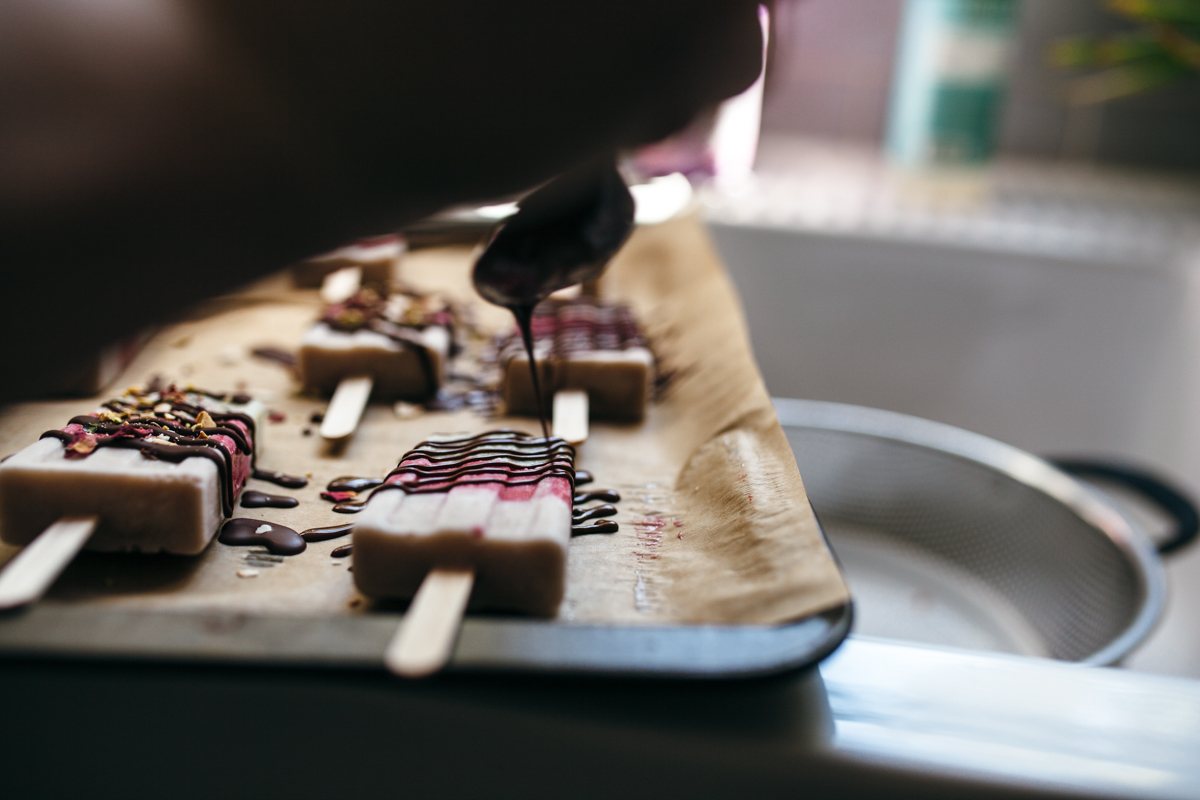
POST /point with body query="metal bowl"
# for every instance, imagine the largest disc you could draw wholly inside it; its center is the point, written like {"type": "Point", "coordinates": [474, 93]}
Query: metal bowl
{"type": "Point", "coordinates": [949, 537]}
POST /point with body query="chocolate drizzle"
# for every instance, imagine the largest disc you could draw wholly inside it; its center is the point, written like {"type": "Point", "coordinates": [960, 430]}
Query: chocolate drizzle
{"type": "Point", "coordinates": [253, 499]}
{"type": "Point", "coordinates": [607, 495]}
{"type": "Point", "coordinates": [139, 422]}
{"type": "Point", "coordinates": [595, 512]}
{"type": "Point", "coordinates": [324, 534]}
{"type": "Point", "coordinates": [507, 457]}
{"type": "Point", "coordinates": [349, 483]}
{"type": "Point", "coordinates": [278, 539]}
{"type": "Point", "coordinates": [280, 479]}
{"type": "Point", "coordinates": [596, 526]}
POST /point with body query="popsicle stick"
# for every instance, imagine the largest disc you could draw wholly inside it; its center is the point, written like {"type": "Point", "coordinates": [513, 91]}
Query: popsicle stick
{"type": "Point", "coordinates": [29, 575]}
{"type": "Point", "coordinates": [340, 284]}
{"type": "Point", "coordinates": [570, 415]}
{"type": "Point", "coordinates": [346, 407]}
{"type": "Point", "coordinates": [424, 642]}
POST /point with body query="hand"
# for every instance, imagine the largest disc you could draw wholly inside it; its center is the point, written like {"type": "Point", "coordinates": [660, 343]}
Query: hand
{"type": "Point", "coordinates": [155, 153]}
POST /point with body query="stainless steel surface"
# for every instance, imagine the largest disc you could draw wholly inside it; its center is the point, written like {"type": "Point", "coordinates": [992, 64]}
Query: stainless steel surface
{"type": "Point", "coordinates": [950, 537]}
{"type": "Point", "coordinates": [877, 720]}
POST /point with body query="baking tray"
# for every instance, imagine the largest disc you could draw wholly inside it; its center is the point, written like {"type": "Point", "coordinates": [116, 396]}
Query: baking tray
{"type": "Point", "coordinates": [720, 568]}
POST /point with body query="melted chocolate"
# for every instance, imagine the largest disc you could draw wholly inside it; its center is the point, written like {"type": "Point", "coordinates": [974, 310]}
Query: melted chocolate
{"type": "Point", "coordinates": [349, 483]}
{"type": "Point", "coordinates": [278, 539]}
{"type": "Point", "coordinates": [253, 499]}
{"type": "Point", "coordinates": [350, 507]}
{"type": "Point", "coordinates": [596, 526]}
{"type": "Point", "coordinates": [562, 234]}
{"type": "Point", "coordinates": [342, 552]}
{"type": "Point", "coordinates": [507, 457]}
{"type": "Point", "coordinates": [595, 512]}
{"type": "Point", "coordinates": [182, 440]}
{"type": "Point", "coordinates": [582, 476]}
{"type": "Point", "coordinates": [280, 479]}
{"type": "Point", "coordinates": [324, 534]}
{"type": "Point", "coordinates": [607, 495]}
{"type": "Point", "coordinates": [524, 315]}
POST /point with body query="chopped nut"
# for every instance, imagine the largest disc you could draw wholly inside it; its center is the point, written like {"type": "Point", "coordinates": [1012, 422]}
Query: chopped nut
{"type": "Point", "coordinates": [162, 408]}
{"type": "Point", "coordinates": [205, 420]}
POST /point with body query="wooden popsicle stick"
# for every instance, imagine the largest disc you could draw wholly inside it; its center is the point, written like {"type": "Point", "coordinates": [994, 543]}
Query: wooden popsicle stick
{"type": "Point", "coordinates": [423, 644]}
{"type": "Point", "coordinates": [346, 407]}
{"type": "Point", "coordinates": [570, 415]}
{"type": "Point", "coordinates": [30, 573]}
{"type": "Point", "coordinates": [340, 284]}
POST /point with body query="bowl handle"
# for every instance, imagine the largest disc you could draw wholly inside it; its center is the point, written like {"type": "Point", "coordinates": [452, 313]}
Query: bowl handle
{"type": "Point", "coordinates": [1177, 505]}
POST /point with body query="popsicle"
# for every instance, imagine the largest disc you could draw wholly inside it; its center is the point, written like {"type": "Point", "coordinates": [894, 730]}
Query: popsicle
{"type": "Point", "coordinates": [152, 471]}
{"type": "Point", "coordinates": [586, 346]}
{"type": "Point", "coordinates": [486, 516]}
{"type": "Point", "coordinates": [392, 347]}
{"type": "Point", "coordinates": [377, 257]}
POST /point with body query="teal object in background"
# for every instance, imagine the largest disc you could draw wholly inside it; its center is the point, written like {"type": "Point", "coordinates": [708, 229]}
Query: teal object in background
{"type": "Point", "coordinates": [950, 80]}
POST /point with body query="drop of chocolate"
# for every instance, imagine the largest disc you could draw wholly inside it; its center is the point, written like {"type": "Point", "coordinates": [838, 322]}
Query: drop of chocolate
{"type": "Point", "coordinates": [595, 512]}
{"type": "Point", "coordinates": [350, 507]}
{"type": "Point", "coordinates": [582, 476]}
{"type": "Point", "coordinates": [349, 483]}
{"type": "Point", "coordinates": [342, 552]}
{"type": "Point", "coordinates": [330, 532]}
{"type": "Point", "coordinates": [606, 495]}
{"type": "Point", "coordinates": [253, 499]}
{"type": "Point", "coordinates": [596, 526]}
{"type": "Point", "coordinates": [281, 479]}
{"type": "Point", "coordinates": [278, 539]}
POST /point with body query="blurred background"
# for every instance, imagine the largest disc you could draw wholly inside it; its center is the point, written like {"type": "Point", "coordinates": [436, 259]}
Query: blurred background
{"type": "Point", "coordinates": [985, 214]}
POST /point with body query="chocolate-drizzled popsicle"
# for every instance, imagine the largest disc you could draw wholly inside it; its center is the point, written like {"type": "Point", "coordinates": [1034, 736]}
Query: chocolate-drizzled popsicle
{"type": "Point", "coordinates": [392, 347]}
{"type": "Point", "coordinates": [486, 517]}
{"type": "Point", "coordinates": [585, 348]}
{"type": "Point", "coordinates": [149, 471]}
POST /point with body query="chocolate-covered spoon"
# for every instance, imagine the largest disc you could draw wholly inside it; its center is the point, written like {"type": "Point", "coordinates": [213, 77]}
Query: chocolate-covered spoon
{"type": "Point", "coordinates": [563, 233]}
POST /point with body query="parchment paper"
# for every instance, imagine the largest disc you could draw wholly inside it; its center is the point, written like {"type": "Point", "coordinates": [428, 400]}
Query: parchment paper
{"type": "Point", "coordinates": [715, 524]}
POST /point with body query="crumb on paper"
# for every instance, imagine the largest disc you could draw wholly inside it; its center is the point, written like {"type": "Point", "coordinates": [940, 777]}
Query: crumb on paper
{"type": "Point", "coordinates": [276, 416]}
{"type": "Point", "coordinates": [247, 573]}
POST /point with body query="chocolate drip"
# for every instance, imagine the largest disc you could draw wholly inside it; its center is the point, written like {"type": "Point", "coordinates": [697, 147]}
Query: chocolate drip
{"type": "Point", "coordinates": [342, 552]}
{"type": "Point", "coordinates": [595, 512]}
{"type": "Point", "coordinates": [281, 479]}
{"type": "Point", "coordinates": [524, 315]}
{"type": "Point", "coordinates": [405, 337]}
{"type": "Point", "coordinates": [253, 499]}
{"type": "Point", "coordinates": [607, 495]}
{"type": "Point", "coordinates": [277, 355]}
{"type": "Point", "coordinates": [278, 539]}
{"type": "Point", "coordinates": [351, 507]}
{"type": "Point", "coordinates": [511, 458]}
{"type": "Point", "coordinates": [582, 476]}
{"type": "Point", "coordinates": [174, 453]}
{"type": "Point", "coordinates": [324, 534]}
{"type": "Point", "coordinates": [349, 483]}
{"type": "Point", "coordinates": [596, 526]}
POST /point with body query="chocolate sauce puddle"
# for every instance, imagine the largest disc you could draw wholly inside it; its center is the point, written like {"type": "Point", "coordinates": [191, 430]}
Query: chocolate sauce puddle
{"type": "Point", "coordinates": [278, 539]}
{"type": "Point", "coordinates": [327, 533]}
{"type": "Point", "coordinates": [253, 499]}
{"type": "Point", "coordinates": [349, 483]}
{"type": "Point", "coordinates": [606, 495]}
{"type": "Point", "coordinates": [351, 507]}
{"type": "Point", "coordinates": [595, 512]}
{"type": "Point", "coordinates": [342, 552]}
{"type": "Point", "coordinates": [281, 479]}
{"type": "Point", "coordinates": [596, 526]}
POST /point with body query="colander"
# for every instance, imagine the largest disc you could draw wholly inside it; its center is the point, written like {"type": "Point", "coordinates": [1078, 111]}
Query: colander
{"type": "Point", "coordinates": [950, 537]}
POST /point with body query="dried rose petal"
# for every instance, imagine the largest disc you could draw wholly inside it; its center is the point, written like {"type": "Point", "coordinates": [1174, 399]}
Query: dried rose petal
{"type": "Point", "coordinates": [81, 445]}
{"type": "Point", "coordinates": [338, 497]}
